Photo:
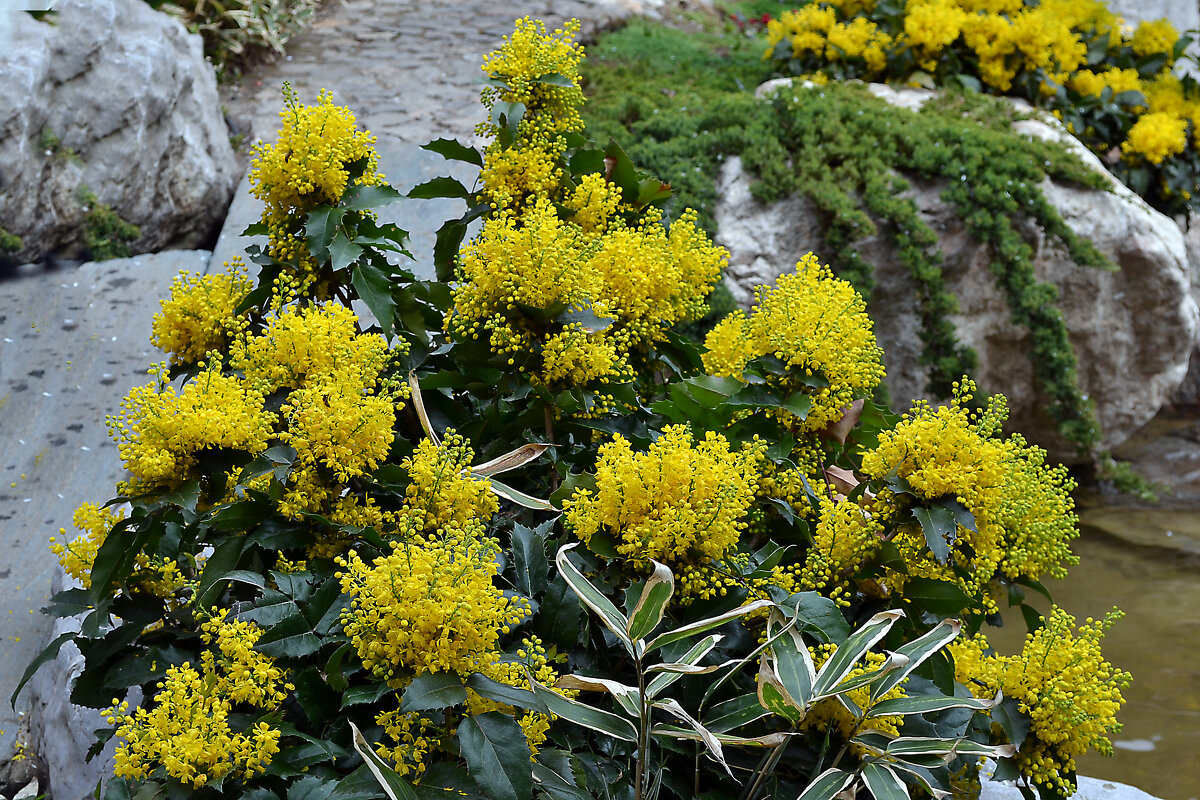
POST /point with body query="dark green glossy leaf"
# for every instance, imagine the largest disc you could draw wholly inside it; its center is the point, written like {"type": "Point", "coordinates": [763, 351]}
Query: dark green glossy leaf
{"type": "Point", "coordinates": [291, 638]}
{"type": "Point", "coordinates": [343, 252]}
{"type": "Point", "coordinates": [454, 150]}
{"type": "Point", "coordinates": [363, 197]}
{"type": "Point", "coordinates": [439, 187]}
{"type": "Point", "coordinates": [940, 597]}
{"type": "Point", "coordinates": [433, 690]}
{"type": "Point", "coordinates": [375, 288]}
{"type": "Point", "coordinates": [497, 756]}
{"type": "Point", "coordinates": [529, 559]}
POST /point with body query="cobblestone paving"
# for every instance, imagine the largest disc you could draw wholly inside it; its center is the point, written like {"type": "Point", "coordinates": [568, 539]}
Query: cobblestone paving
{"type": "Point", "coordinates": [407, 68]}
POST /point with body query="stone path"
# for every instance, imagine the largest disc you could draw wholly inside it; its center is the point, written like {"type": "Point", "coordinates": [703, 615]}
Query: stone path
{"type": "Point", "coordinates": [406, 67]}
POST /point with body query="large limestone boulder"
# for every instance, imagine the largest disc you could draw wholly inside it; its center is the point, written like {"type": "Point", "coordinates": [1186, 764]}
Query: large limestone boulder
{"type": "Point", "coordinates": [117, 98]}
{"type": "Point", "coordinates": [1132, 330]}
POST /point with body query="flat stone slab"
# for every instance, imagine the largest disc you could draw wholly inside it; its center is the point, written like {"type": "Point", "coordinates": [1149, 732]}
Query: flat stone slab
{"type": "Point", "coordinates": [72, 344]}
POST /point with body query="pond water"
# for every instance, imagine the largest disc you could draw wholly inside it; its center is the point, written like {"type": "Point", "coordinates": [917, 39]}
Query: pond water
{"type": "Point", "coordinates": [1146, 562]}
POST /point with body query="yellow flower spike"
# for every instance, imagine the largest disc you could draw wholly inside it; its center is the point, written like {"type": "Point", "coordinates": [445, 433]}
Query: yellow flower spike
{"type": "Point", "coordinates": [1062, 681]}
{"type": "Point", "coordinates": [681, 503]}
{"type": "Point", "coordinates": [813, 322]}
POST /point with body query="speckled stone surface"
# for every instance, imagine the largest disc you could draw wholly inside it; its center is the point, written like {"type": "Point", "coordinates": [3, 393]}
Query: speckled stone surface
{"type": "Point", "coordinates": [72, 344]}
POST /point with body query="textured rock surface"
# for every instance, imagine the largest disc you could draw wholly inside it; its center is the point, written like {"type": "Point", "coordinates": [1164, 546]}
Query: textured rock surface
{"type": "Point", "coordinates": [1189, 391]}
{"type": "Point", "coordinates": [1132, 329]}
{"type": "Point", "coordinates": [1089, 789]}
{"type": "Point", "coordinates": [72, 344]}
{"type": "Point", "coordinates": [60, 732]}
{"type": "Point", "coordinates": [133, 105]}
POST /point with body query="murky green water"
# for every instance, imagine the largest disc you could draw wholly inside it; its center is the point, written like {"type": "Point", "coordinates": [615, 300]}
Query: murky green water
{"type": "Point", "coordinates": [1155, 578]}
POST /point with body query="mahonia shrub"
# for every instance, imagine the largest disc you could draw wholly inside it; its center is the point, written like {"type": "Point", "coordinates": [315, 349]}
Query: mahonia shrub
{"type": "Point", "coordinates": [1112, 85]}
{"type": "Point", "coordinates": [524, 535]}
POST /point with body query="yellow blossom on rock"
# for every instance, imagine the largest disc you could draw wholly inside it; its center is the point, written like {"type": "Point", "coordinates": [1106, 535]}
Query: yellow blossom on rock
{"type": "Point", "coordinates": [1156, 136]}
{"type": "Point", "coordinates": [200, 314]}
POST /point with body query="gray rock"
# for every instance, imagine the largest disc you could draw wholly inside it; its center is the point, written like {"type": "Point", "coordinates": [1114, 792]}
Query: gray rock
{"type": "Point", "coordinates": [1132, 330]}
{"type": "Point", "coordinates": [60, 732]}
{"type": "Point", "coordinates": [1089, 789]}
{"type": "Point", "coordinates": [72, 344]}
{"type": "Point", "coordinates": [118, 98]}
{"type": "Point", "coordinates": [1189, 391]}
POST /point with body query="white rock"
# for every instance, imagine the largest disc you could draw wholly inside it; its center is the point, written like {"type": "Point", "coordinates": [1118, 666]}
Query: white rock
{"type": "Point", "coordinates": [1089, 789]}
{"type": "Point", "coordinates": [1132, 330]}
{"type": "Point", "coordinates": [127, 93]}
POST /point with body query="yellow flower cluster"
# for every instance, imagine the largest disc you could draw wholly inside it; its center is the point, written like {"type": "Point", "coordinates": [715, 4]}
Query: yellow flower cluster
{"type": "Point", "coordinates": [847, 533]}
{"type": "Point", "coordinates": [307, 167]}
{"type": "Point", "coordinates": [540, 71]}
{"type": "Point", "coordinates": [679, 503]}
{"type": "Point", "coordinates": [1045, 39]}
{"type": "Point", "coordinates": [563, 280]}
{"type": "Point", "coordinates": [817, 325]}
{"type": "Point", "coordinates": [641, 279]}
{"type": "Point", "coordinates": [1023, 514]}
{"type": "Point", "coordinates": [157, 576]}
{"type": "Point", "coordinates": [161, 431]}
{"type": "Point", "coordinates": [429, 606]}
{"type": "Point", "coordinates": [200, 315]}
{"type": "Point", "coordinates": [1065, 685]}
{"type": "Point", "coordinates": [189, 733]}
{"type": "Point", "coordinates": [340, 411]}
{"type": "Point", "coordinates": [833, 715]}
{"type": "Point", "coordinates": [442, 494]}
{"type": "Point", "coordinates": [1155, 36]}
{"type": "Point", "coordinates": [1156, 136]}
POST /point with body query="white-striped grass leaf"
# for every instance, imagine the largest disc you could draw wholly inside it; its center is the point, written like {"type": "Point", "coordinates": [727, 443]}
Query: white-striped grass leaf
{"type": "Point", "coordinates": [893, 663]}
{"type": "Point", "coordinates": [685, 665]}
{"type": "Point", "coordinates": [705, 625]}
{"type": "Point", "coordinates": [839, 665]}
{"type": "Point", "coordinates": [395, 787]}
{"type": "Point", "coordinates": [671, 706]}
{"type": "Point", "coordinates": [520, 498]}
{"type": "Point", "coordinates": [794, 666]}
{"type": "Point", "coordinates": [648, 612]}
{"type": "Point", "coordinates": [419, 405]}
{"type": "Point", "coordinates": [827, 785]}
{"type": "Point", "coordinates": [584, 715]}
{"type": "Point", "coordinates": [628, 697]}
{"type": "Point", "coordinates": [922, 745]}
{"type": "Point", "coordinates": [883, 782]}
{"type": "Point", "coordinates": [901, 706]}
{"type": "Point", "coordinates": [739, 711]}
{"type": "Point", "coordinates": [766, 740]}
{"type": "Point", "coordinates": [593, 598]}
{"type": "Point", "coordinates": [511, 460]}
{"type": "Point", "coordinates": [773, 695]}
{"type": "Point", "coordinates": [917, 651]}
